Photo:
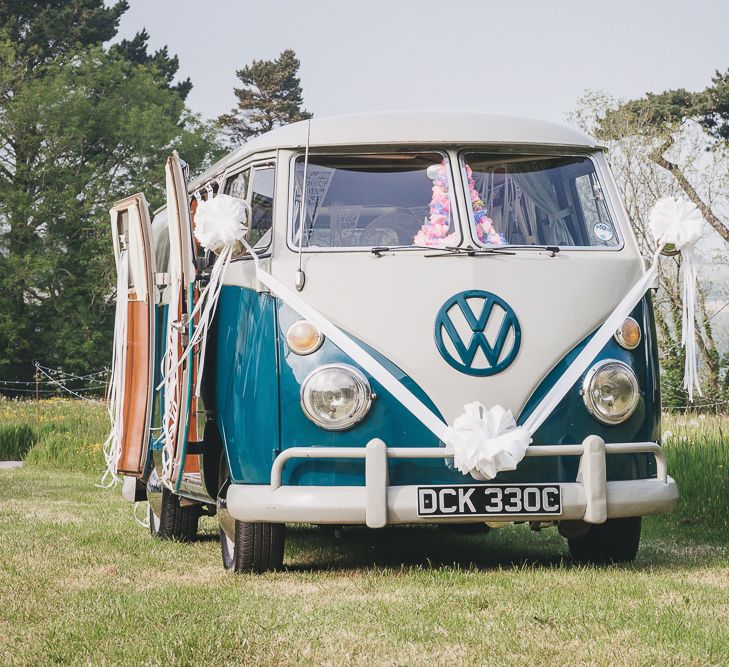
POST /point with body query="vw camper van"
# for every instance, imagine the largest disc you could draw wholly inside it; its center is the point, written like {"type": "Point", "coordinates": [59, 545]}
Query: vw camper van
{"type": "Point", "coordinates": [465, 257]}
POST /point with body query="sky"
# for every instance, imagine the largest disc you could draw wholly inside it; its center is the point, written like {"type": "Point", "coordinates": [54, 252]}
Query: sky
{"type": "Point", "coordinates": [524, 57]}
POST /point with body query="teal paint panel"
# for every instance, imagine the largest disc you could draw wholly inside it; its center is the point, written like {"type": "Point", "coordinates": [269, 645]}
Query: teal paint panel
{"type": "Point", "coordinates": [160, 343]}
{"type": "Point", "coordinates": [256, 373]}
{"type": "Point", "coordinates": [387, 419]}
{"type": "Point", "coordinates": [246, 383]}
{"type": "Point", "coordinates": [570, 423]}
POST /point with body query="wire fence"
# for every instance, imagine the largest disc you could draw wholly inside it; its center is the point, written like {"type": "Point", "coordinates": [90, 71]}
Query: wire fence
{"type": "Point", "coordinates": [52, 382]}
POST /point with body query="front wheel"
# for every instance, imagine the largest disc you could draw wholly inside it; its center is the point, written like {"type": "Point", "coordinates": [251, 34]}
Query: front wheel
{"type": "Point", "coordinates": [615, 541]}
{"type": "Point", "coordinates": [247, 547]}
{"type": "Point", "coordinates": [255, 547]}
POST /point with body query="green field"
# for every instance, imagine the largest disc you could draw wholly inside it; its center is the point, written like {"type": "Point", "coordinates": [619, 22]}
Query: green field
{"type": "Point", "coordinates": [81, 582]}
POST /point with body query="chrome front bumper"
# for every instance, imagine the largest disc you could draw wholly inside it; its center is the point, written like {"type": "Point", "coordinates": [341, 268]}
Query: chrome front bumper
{"type": "Point", "coordinates": [376, 504]}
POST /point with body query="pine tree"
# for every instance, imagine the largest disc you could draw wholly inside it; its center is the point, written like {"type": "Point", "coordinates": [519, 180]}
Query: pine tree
{"type": "Point", "coordinates": [135, 50]}
{"type": "Point", "coordinates": [270, 96]}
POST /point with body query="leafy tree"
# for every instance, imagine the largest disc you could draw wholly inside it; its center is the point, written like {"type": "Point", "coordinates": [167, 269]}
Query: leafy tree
{"type": "Point", "coordinates": [663, 116]}
{"type": "Point", "coordinates": [80, 126]}
{"type": "Point", "coordinates": [670, 144]}
{"type": "Point", "coordinates": [41, 30]}
{"type": "Point", "coordinates": [270, 96]}
{"type": "Point", "coordinates": [94, 127]}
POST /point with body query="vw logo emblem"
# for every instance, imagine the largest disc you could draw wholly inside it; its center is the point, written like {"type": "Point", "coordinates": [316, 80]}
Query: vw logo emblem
{"type": "Point", "coordinates": [477, 333]}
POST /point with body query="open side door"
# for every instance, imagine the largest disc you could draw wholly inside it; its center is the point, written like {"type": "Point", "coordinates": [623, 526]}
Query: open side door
{"type": "Point", "coordinates": [130, 225]}
{"type": "Point", "coordinates": [182, 285]}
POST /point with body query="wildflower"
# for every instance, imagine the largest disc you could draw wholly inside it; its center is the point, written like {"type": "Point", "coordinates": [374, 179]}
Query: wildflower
{"type": "Point", "coordinates": [667, 435]}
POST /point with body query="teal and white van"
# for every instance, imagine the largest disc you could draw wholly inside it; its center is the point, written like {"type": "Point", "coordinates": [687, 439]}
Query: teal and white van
{"type": "Point", "coordinates": [472, 257]}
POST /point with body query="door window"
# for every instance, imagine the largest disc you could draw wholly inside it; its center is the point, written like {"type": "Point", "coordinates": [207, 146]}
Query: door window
{"type": "Point", "coordinates": [161, 241]}
{"type": "Point", "coordinates": [256, 187]}
{"type": "Point", "coordinates": [237, 185]}
{"type": "Point", "coordinates": [259, 234]}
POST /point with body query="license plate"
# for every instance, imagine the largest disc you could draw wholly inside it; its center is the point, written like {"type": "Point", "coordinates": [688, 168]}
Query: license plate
{"type": "Point", "coordinates": [489, 500]}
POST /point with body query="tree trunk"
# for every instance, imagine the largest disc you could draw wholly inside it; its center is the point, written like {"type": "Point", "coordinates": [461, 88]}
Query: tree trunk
{"type": "Point", "coordinates": [659, 158]}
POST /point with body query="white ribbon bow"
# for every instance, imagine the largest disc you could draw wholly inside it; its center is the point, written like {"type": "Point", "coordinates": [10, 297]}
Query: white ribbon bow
{"type": "Point", "coordinates": [220, 221]}
{"type": "Point", "coordinates": [485, 442]}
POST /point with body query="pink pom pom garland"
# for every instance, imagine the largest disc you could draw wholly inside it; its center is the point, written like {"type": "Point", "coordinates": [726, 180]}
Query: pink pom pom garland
{"type": "Point", "coordinates": [436, 230]}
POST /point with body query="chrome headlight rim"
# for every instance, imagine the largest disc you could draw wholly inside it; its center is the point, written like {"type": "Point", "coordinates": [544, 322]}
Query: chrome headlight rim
{"type": "Point", "coordinates": [588, 398]}
{"type": "Point", "coordinates": [355, 417]}
{"type": "Point", "coordinates": [619, 335]}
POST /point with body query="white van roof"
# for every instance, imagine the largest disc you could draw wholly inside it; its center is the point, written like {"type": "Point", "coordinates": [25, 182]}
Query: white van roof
{"type": "Point", "coordinates": [406, 128]}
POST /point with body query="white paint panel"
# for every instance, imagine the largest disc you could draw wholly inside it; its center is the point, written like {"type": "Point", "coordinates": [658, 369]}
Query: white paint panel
{"type": "Point", "coordinates": [391, 303]}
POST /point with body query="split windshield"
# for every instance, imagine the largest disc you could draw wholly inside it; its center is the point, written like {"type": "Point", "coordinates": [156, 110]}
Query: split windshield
{"type": "Point", "coordinates": [406, 200]}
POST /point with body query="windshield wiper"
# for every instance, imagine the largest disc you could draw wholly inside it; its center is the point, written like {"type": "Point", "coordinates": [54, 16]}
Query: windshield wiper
{"type": "Point", "coordinates": [378, 250]}
{"type": "Point", "coordinates": [551, 249]}
{"type": "Point", "coordinates": [469, 251]}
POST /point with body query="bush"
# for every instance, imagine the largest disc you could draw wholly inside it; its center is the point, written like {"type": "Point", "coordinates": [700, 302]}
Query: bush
{"type": "Point", "coordinates": [69, 433]}
{"type": "Point", "coordinates": [15, 441]}
{"type": "Point", "coordinates": [697, 453]}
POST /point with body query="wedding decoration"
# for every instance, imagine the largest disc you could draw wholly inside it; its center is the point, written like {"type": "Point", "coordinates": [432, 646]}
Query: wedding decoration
{"type": "Point", "coordinates": [219, 222]}
{"type": "Point", "coordinates": [678, 222]}
{"type": "Point", "coordinates": [485, 230]}
{"type": "Point", "coordinates": [112, 445]}
{"type": "Point", "coordinates": [487, 441]}
{"type": "Point", "coordinates": [435, 231]}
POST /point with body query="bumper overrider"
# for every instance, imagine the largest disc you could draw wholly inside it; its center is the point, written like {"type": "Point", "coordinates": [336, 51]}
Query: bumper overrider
{"type": "Point", "coordinates": [376, 504]}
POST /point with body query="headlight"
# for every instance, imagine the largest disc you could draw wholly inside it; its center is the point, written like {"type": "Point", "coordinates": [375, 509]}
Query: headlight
{"type": "Point", "coordinates": [610, 391]}
{"type": "Point", "coordinates": [336, 396]}
{"type": "Point", "coordinates": [628, 335]}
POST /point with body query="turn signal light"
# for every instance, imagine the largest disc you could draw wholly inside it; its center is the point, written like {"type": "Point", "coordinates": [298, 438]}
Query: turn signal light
{"type": "Point", "coordinates": [303, 337]}
{"type": "Point", "coordinates": [628, 335]}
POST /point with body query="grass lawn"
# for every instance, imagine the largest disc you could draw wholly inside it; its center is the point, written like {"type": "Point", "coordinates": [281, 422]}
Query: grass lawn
{"type": "Point", "coordinates": [81, 582]}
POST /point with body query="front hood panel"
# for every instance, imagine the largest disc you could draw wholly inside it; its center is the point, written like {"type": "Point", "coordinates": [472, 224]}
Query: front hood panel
{"type": "Point", "coordinates": [421, 314]}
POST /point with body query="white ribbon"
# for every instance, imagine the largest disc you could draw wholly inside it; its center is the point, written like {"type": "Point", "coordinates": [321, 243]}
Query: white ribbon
{"type": "Point", "coordinates": [484, 441]}
{"type": "Point", "coordinates": [220, 221]}
{"type": "Point", "coordinates": [112, 446]}
{"type": "Point", "coordinates": [220, 224]}
{"type": "Point", "coordinates": [679, 222]}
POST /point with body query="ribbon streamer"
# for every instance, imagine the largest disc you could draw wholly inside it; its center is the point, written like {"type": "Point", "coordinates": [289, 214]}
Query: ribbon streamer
{"type": "Point", "coordinates": [483, 441]}
{"type": "Point", "coordinates": [113, 443]}
{"type": "Point", "coordinates": [220, 224]}
{"type": "Point", "coordinates": [680, 223]}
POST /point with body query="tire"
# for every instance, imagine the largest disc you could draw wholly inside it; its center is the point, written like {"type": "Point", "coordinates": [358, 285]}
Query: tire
{"type": "Point", "coordinates": [247, 547]}
{"type": "Point", "coordinates": [615, 541]}
{"type": "Point", "coordinates": [175, 522]}
{"type": "Point", "coordinates": [258, 547]}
